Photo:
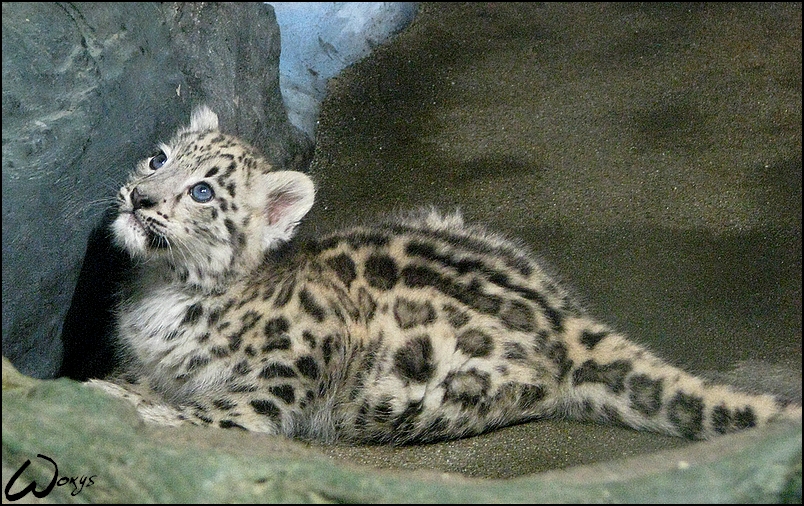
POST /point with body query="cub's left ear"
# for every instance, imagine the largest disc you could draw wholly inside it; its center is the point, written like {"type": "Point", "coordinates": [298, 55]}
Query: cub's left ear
{"type": "Point", "coordinates": [290, 196]}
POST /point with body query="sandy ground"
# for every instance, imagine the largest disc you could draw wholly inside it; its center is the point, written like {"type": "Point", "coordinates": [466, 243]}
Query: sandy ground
{"type": "Point", "coordinates": [649, 153]}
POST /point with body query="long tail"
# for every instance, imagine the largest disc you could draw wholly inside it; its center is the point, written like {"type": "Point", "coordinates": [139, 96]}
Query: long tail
{"type": "Point", "coordinates": [616, 380]}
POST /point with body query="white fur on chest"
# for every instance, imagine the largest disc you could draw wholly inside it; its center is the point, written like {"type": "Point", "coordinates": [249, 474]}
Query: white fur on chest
{"type": "Point", "coordinates": [151, 325]}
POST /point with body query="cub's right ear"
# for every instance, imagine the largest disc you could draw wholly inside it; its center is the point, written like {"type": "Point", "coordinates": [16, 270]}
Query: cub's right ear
{"type": "Point", "coordinates": [203, 119]}
{"type": "Point", "coordinates": [289, 198]}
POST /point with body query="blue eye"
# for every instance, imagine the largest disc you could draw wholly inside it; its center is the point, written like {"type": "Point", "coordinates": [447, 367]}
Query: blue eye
{"type": "Point", "coordinates": [157, 161]}
{"type": "Point", "coordinates": [202, 193]}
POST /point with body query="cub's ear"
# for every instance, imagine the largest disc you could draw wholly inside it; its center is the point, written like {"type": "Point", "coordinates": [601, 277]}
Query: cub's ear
{"type": "Point", "coordinates": [290, 196]}
{"type": "Point", "coordinates": [202, 120]}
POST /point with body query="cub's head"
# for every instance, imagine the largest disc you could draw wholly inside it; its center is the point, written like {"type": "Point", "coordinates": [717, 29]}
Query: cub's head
{"type": "Point", "coordinates": [208, 204]}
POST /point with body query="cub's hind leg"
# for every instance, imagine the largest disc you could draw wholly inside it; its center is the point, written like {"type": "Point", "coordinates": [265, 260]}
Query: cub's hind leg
{"type": "Point", "coordinates": [445, 381]}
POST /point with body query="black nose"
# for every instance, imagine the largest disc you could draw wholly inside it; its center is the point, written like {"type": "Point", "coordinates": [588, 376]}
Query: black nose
{"type": "Point", "coordinates": [140, 201]}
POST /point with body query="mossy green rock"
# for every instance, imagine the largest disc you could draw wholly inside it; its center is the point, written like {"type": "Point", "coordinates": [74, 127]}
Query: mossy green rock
{"type": "Point", "coordinates": [88, 434]}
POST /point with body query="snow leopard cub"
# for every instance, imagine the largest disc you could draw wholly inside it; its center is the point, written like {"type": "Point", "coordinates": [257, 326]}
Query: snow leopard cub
{"type": "Point", "coordinates": [416, 329]}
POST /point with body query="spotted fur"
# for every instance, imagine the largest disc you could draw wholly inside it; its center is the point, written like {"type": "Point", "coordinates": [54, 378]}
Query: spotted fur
{"type": "Point", "coordinates": [414, 329]}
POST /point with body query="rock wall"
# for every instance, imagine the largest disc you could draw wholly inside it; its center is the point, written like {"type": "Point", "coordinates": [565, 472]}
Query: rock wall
{"type": "Point", "coordinates": [88, 89]}
{"type": "Point", "coordinates": [321, 39]}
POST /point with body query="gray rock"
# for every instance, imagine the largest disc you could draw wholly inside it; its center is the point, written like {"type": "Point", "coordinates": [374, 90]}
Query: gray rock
{"type": "Point", "coordinates": [88, 89]}
{"type": "Point", "coordinates": [320, 39]}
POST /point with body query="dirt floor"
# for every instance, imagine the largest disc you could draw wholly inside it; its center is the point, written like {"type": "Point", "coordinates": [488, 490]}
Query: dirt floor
{"type": "Point", "coordinates": [649, 153]}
